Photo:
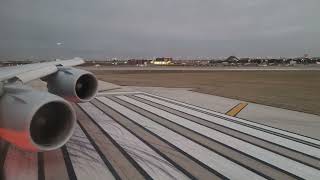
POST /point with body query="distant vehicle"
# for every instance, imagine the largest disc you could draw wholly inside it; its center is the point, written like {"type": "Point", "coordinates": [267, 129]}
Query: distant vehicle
{"type": "Point", "coordinates": [41, 121]}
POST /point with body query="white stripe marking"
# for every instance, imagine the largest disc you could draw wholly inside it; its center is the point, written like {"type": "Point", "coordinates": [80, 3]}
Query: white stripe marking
{"type": "Point", "coordinates": [86, 162]}
{"type": "Point", "coordinates": [297, 136]}
{"type": "Point", "coordinates": [222, 165]}
{"type": "Point", "coordinates": [254, 132]}
{"type": "Point", "coordinates": [112, 93]}
{"type": "Point", "coordinates": [250, 149]}
{"type": "Point", "coordinates": [153, 163]}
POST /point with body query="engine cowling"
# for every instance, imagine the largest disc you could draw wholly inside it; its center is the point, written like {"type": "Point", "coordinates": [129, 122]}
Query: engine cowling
{"type": "Point", "coordinates": [35, 120]}
{"type": "Point", "coordinates": [75, 85]}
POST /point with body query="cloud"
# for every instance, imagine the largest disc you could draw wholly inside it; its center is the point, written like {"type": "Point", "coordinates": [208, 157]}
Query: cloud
{"type": "Point", "coordinates": [100, 28]}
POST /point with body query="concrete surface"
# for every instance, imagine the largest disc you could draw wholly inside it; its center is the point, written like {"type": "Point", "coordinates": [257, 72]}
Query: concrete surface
{"type": "Point", "coordinates": [294, 121]}
{"type": "Point", "coordinates": [299, 122]}
{"type": "Point", "coordinates": [216, 103]}
{"type": "Point", "coordinates": [151, 133]}
{"type": "Point", "coordinates": [105, 86]}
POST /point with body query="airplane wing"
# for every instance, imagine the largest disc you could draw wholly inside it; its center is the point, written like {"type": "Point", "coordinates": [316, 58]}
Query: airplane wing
{"type": "Point", "coordinates": [26, 73]}
{"type": "Point", "coordinates": [38, 120]}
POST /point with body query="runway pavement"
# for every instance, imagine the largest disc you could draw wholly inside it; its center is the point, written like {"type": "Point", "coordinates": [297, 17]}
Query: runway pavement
{"type": "Point", "coordinates": [137, 135]}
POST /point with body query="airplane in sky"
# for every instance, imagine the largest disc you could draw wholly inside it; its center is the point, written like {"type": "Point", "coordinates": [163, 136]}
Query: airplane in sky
{"type": "Point", "coordinates": [39, 120]}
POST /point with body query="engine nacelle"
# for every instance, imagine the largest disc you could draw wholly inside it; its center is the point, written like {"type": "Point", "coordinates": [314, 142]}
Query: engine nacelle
{"type": "Point", "coordinates": [75, 85]}
{"type": "Point", "coordinates": [35, 120]}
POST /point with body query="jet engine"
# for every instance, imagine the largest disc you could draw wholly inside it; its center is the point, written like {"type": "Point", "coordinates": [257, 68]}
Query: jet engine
{"type": "Point", "coordinates": [74, 85]}
{"type": "Point", "coordinates": [35, 120]}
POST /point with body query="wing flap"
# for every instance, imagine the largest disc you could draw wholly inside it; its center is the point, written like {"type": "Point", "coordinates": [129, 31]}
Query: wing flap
{"type": "Point", "coordinates": [35, 74]}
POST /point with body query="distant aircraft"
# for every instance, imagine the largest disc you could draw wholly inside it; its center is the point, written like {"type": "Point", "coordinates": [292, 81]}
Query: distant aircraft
{"type": "Point", "coordinates": [37, 120]}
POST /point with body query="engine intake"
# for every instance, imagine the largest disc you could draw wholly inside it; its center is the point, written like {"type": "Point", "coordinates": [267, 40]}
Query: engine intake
{"type": "Point", "coordinates": [34, 120]}
{"type": "Point", "coordinates": [75, 85]}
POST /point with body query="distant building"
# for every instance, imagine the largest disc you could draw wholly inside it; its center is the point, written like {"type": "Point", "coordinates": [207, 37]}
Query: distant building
{"type": "Point", "coordinates": [244, 60]}
{"type": "Point", "coordinates": [139, 61]}
{"type": "Point", "coordinates": [274, 61]}
{"type": "Point", "coordinates": [162, 61]}
{"type": "Point", "coordinates": [257, 61]}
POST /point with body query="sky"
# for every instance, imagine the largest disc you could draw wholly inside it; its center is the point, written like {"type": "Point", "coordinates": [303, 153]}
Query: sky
{"type": "Point", "coordinates": [150, 28]}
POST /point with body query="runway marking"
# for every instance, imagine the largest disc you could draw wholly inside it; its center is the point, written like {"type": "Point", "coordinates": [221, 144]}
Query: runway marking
{"type": "Point", "coordinates": [235, 110]}
{"type": "Point", "coordinates": [155, 165]}
{"type": "Point", "coordinates": [68, 163]}
{"type": "Point", "coordinates": [116, 93]}
{"type": "Point", "coordinates": [236, 119]}
{"type": "Point", "coordinates": [184, 162]}
{"type": "Point", "coordinates": [240, 121]}
{"type": "Point", "coordinates": [124, 136]}
{"type": "Point", "coordinates": [111, 154]}
{"type": "Point", "coordinates": [222, 165]}
{"type": "Point", "coordinates": [106, 90]}
{"type": "Point", "coordinates": [87, 163]}
{"type": "Point", "coordinates": [272, 158]}
{"type": "Point", "coordinates": [305, 159]}
{"type": "Point", "coordinates": [256, 165]}
{"type": "Point", "coordinates": [54, 165]}
{"type": "Point", "coordinates": [303, 148]}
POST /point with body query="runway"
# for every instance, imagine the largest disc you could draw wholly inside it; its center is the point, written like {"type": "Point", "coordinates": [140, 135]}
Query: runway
{"type": "Point", "coordinates": [137, 135]}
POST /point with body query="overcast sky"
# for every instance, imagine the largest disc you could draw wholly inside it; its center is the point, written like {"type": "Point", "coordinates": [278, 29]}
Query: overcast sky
{"type": "Point", "coordinates": [140, 28]}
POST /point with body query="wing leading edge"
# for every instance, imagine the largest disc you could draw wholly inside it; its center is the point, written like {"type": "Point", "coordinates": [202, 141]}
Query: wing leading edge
{"type": "Point", "coordinates": [31, 72]}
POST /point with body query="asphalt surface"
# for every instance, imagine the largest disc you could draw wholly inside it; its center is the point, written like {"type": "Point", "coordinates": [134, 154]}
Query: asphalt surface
{"type": "Point", "coordinates": [144, 136]}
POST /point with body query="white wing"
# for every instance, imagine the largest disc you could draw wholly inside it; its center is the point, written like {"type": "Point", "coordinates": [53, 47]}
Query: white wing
{"type": "Point", "coordinates": [26, 73]}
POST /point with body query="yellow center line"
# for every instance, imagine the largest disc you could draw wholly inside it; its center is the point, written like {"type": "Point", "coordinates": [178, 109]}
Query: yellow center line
{"type": "Point", "coordinates": [235, 110]}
